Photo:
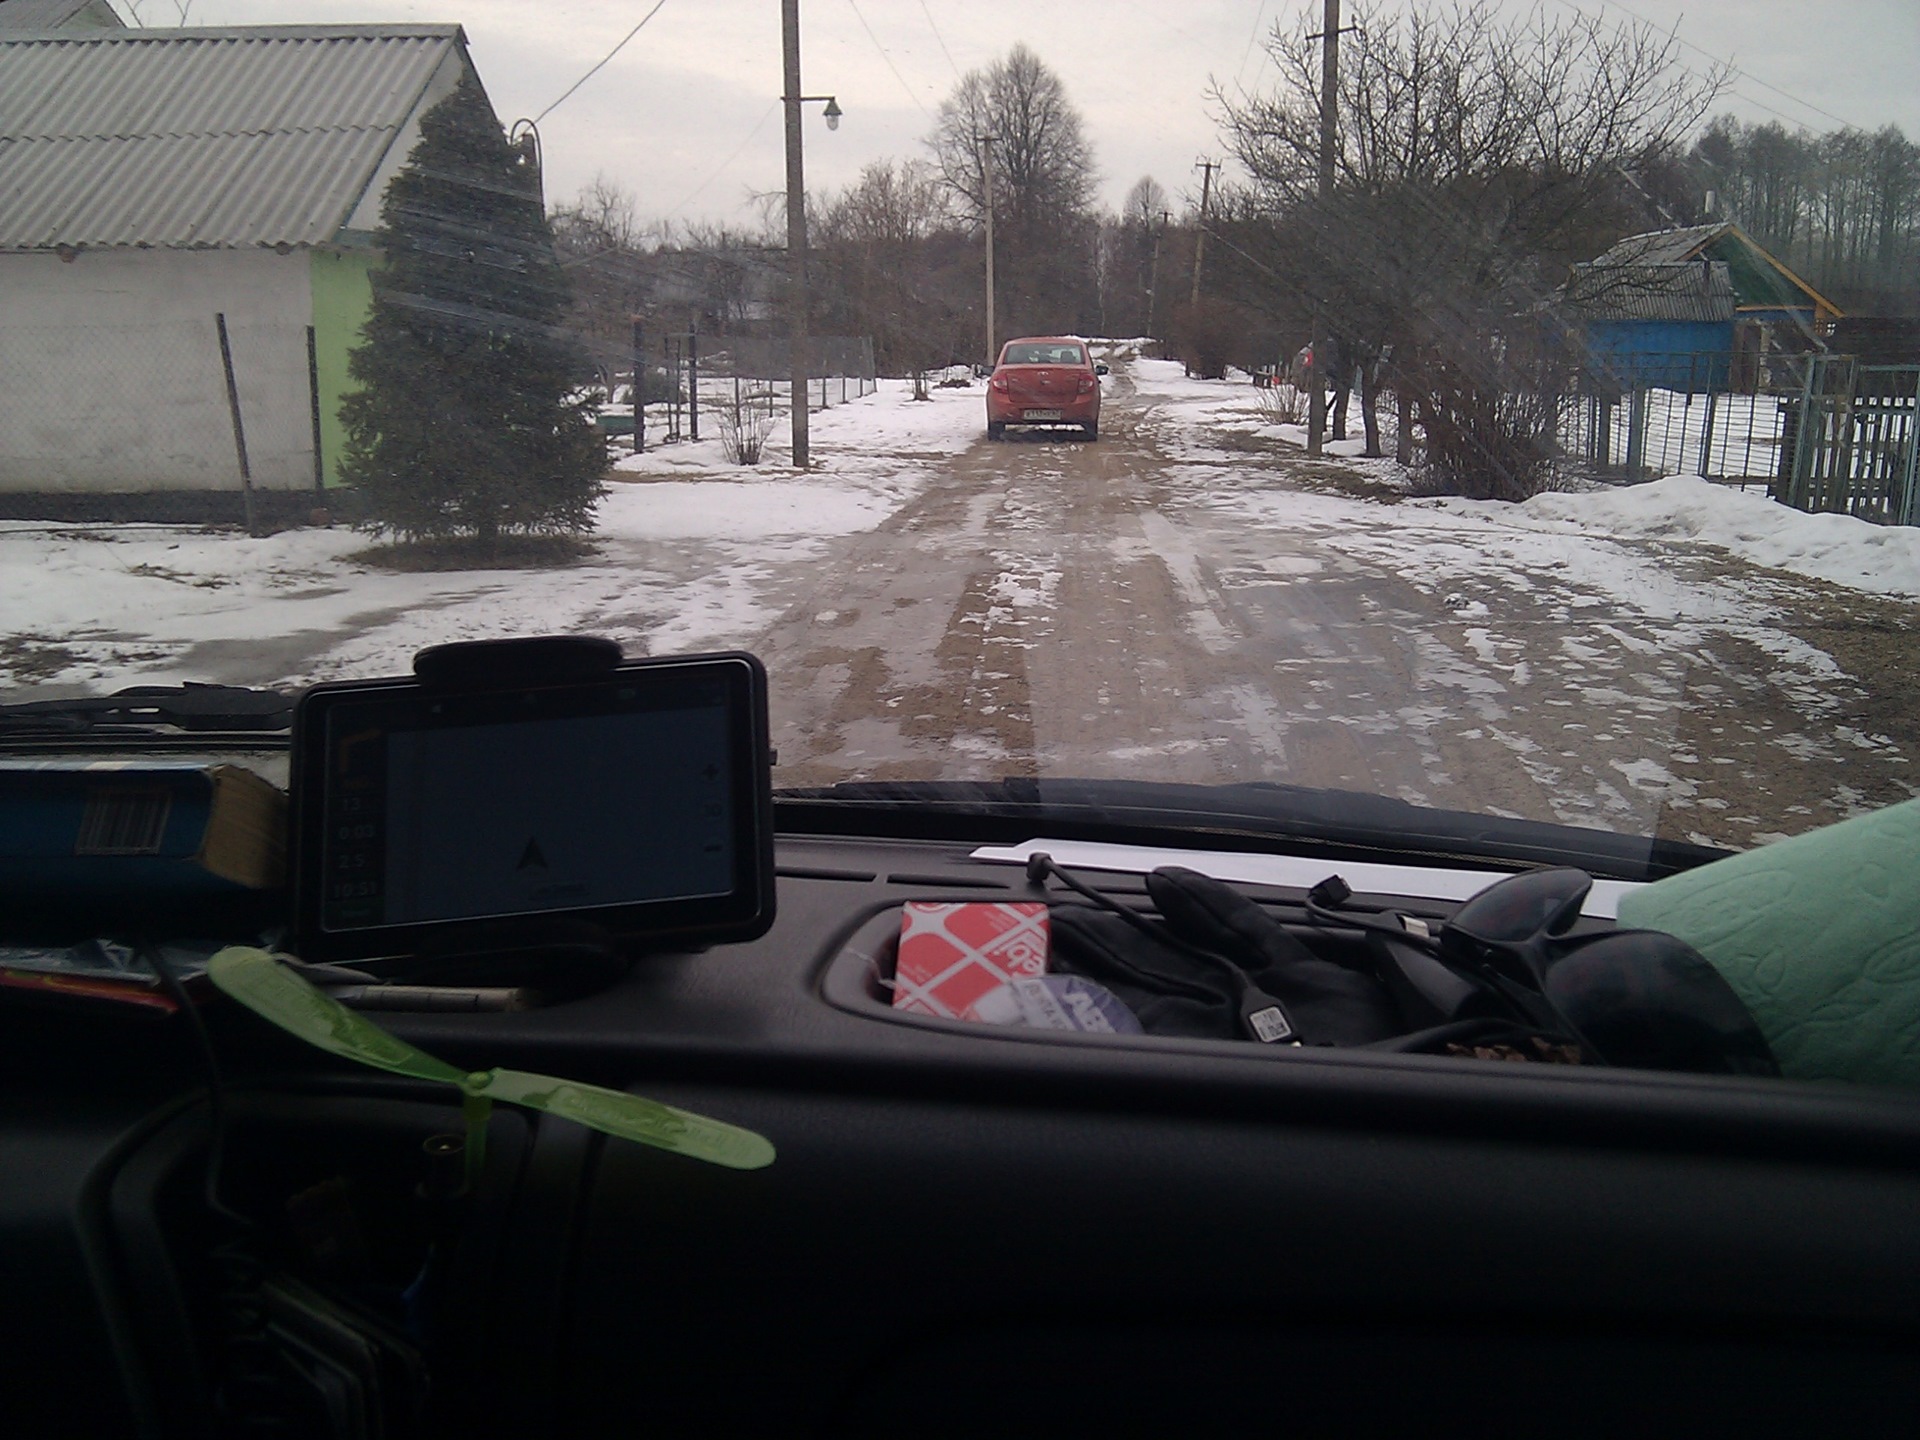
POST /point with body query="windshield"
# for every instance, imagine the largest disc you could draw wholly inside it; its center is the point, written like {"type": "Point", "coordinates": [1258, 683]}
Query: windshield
{"type": "Point", "coordinates": [1465, 438]}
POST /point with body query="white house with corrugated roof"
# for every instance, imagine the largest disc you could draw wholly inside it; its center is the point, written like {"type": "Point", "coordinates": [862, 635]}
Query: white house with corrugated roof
{"type": "Point", "coordinates": [160, 186]}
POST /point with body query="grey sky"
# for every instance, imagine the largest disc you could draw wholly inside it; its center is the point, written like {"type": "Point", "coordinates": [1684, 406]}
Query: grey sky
{"type": "Point", "coordinates": [686, 119]}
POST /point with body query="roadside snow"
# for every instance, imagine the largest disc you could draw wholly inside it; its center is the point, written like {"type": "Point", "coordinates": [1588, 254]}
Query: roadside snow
{"type": "Point", "coordinates": [691, 553]}
{"type": "Point", "coordinates": [739, 509]}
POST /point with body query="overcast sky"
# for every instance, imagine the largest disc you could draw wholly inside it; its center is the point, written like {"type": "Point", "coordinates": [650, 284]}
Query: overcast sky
{"type": "Point", "coordinates": [686, 117]}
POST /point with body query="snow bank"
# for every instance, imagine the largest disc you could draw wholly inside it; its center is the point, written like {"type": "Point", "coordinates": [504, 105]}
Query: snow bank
{"type": "Point", "coordinates": [862, 434]}
{"type": "Point", "coordinates": [1881, 559]}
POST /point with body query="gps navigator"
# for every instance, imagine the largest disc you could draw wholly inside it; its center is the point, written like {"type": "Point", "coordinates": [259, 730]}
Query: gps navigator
{"type": "Point", "coordinates": [495, 800]}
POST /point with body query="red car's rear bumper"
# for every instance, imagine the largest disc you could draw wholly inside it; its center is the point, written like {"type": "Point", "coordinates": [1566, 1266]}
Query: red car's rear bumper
{"type": "Point", "coordinates": [1077, 410]}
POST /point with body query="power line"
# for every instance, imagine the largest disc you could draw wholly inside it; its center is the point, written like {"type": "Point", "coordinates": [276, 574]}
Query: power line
{"type": "Point", "coordinates": [599, 64]}
{"type": "Point", "coordinates": [1728, 65]}
{"type": "Point", "coordinates": [851, 5]}
{"type": "Point", "coordinates": [1771, 110]}
{"type": "Point", "coordinates": [940, 40]}
{"type": "Point", "coordinates": [719, 169]}
{"type": "Point", "coordinates": [1743, 74]}
{"type": "Point", "coordinates": [1259, 15]}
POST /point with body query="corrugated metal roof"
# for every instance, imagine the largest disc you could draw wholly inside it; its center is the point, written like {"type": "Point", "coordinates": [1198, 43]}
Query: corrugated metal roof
{"type": "Point", "coordinates": [1689, 290]}
{"type": "Point", "coordinates": [196, 138]}
{"type": "Point", "coordinates": [58, 15]}
{"type": "Point", "coordinates": [1663, 247]}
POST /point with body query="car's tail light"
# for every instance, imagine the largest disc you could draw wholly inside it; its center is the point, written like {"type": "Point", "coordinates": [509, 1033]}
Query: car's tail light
{"type": "Point", "coordinates": [1086, 384]}
{"type": "Point", "coordinates": [999, 382]}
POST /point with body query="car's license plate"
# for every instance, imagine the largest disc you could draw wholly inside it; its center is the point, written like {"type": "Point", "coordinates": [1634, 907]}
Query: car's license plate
{"type": "Point", "coordinates": [1039, 414]}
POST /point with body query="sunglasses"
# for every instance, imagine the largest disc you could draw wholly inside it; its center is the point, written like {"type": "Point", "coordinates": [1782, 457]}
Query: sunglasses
{"type": "Point", "coordinates": [1625, 997]}
{"type": "Point", "coordinates": [1637, 998]}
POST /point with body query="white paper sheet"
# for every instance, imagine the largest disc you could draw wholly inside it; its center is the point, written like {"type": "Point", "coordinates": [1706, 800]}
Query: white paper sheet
{"type": "Point", "coordinates": [1414, 881]}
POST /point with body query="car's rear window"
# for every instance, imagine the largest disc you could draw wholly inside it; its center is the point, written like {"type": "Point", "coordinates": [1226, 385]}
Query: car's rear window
{"type": "Point", "coordinates": [1044, 355]}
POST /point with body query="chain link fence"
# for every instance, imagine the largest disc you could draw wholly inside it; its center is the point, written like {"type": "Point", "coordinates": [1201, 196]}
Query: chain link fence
{"type": "Point", "coordinates": [730, 384]}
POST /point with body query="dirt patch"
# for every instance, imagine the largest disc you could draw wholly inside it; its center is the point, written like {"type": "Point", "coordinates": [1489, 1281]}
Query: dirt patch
{"type": "Point", "coordinates": [1877, 643]}
{"type": "Point", "coordinates": [31, 657]}
{"type": "Point", "coordinates": [180, 577]}
{"type": "Point", "coordinates": [1337, 479]}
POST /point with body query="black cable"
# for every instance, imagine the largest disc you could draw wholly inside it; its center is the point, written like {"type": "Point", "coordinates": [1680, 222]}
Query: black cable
{"type": "Point", "coordinates": [599, 64]}
{"type": "Point", "coordinates": [1324, 919]}
{"type": "Point", "coordinates": [1046, 865]}
{"type": "Point", "coordinates": [1530, 1007]}
{"type": "Point", "coordinates": [216, 1083]}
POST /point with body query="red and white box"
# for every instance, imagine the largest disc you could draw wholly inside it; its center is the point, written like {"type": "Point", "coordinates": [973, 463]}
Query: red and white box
{"type": "Point", "coordinates": [951, 955]}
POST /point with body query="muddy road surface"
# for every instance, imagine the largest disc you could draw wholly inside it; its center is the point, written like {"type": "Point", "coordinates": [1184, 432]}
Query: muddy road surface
{"type": "Point", "coordinates": [1130, 608]}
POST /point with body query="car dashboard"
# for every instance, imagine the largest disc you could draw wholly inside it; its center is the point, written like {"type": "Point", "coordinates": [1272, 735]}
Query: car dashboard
{"type": "Point", "coordinates": [967, 1229]}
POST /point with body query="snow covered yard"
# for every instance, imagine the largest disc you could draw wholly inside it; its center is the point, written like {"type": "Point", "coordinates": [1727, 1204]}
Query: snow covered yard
{"type": "Point", "coordinates": [1210, 422]}
{"type": "Point", "coordinates": [689, 553]}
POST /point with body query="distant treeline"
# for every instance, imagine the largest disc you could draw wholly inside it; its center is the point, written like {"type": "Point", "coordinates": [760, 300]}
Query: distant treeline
{"type": "Point", "coordinates": [1842, 209]}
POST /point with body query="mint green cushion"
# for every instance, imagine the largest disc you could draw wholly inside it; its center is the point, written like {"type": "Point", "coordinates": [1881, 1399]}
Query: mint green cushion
{"type": "Point", "coordinates": [1820, 935]}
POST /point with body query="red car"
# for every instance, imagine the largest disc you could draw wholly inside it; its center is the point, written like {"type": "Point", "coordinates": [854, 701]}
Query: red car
{"type": "Point", "coordinates": [1044, 380]}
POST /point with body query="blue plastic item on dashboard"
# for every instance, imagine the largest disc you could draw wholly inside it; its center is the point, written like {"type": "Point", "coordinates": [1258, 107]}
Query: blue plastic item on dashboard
{"type": "Point", "coordinates": [1820, 936]}
{"type": "Point", "coordinates": [77, 835]}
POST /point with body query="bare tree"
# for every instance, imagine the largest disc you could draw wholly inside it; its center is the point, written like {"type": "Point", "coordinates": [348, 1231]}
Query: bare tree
{"type": "Point", "coordinates": [1477, 155]}
{"type": "Point", "coordinates": [1042, 173]}
{"type": "Point", "coordinates": [887, 263]}
{"type": "Point", "coordinates": [1842, 208]}
{"type": "Point", "coordinates": [1144, 204]}
{"type": "Point", "coordinates": [893, 203]}
{"type": "Point", "coordinates": [602, 249]}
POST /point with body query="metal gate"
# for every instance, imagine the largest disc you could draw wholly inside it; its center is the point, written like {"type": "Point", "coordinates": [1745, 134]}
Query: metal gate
{"type": "Point", "coordinates": [1852, 449]}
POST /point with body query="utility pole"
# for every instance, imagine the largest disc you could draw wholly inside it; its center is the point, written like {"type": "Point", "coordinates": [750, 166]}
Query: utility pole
{"type": "Point", "coordinates": [1153, 276]}
{"type": "Point", "coordinates": [1329, 119]}
{"type": "Point", "coordinates": [693, 376]}
{"type": "Point", "coordinates": [1207, 167]}
{"type": "Point", "coordinates": [796, 232]}
{"type": "Point", "coordinates": [639, 387]}
{"type": "Point", "coordinates": [986, 204]}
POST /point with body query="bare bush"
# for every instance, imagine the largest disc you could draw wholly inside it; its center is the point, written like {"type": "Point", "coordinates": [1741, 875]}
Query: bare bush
{"type": "Point", "coordinates": [1207, 335]}
{"type": "Point", "coordinates": [743, 432]}
{"type": "Point", "coordinates": [1484, 440]}
{"type": "Point", "coordinates": [1283, 404]}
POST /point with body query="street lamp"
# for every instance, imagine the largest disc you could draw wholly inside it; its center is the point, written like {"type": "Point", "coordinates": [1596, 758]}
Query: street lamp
{"type": "Point", "coordinates": [797, 221]}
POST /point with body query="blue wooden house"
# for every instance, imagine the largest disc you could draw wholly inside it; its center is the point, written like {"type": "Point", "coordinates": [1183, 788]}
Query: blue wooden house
{"type": "Point", "coordinates": [1691, 309]}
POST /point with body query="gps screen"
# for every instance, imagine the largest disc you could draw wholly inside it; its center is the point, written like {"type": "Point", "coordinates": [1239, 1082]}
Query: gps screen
{"type": "Point", "coordinates": [443, 812]}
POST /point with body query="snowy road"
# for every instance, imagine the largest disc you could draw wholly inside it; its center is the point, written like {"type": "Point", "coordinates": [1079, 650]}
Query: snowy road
{"type": "Point", "coordinates": [1154, 607]}
{"type": "Point", "coordinates": [1187, 599]}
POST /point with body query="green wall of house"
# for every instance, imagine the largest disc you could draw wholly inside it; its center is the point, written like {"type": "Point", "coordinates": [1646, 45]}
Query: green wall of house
{"type": "Point", "coordinates": [342, 297]}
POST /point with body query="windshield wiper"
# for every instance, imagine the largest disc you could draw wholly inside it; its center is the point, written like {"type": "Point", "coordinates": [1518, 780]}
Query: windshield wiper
{"type": "Point", "coordinates": [149, 710]}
